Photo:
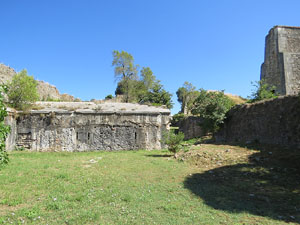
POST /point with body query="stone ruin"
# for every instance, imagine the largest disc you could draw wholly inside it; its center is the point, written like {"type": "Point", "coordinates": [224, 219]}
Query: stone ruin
{"type": "Point", "coordinates": [83, 126]}
{"type": "Point", "coordinates": [281, 67]}
{"type": "Point", "coordinates": [274, 121]}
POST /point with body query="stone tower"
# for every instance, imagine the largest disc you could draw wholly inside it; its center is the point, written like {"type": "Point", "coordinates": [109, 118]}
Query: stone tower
{"type": "Point", "coordinates": [281, 67]}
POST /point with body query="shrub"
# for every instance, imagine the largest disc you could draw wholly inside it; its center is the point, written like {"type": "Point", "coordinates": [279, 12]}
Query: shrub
{"type": "Point", "coordinates": [176, 119]}
{"type": "Point", "coordinates": [22, 91]}
{"type": "Point", "coordinates": [212, 107]}
{"type": "Point", "coordinates": [173, 141]}
{"type": "Point", "coordinates": [109, 97]}
{"type": "Point", "coordinates": [262, 91]}
{"type": "Point", "coordinates": [4, 129]}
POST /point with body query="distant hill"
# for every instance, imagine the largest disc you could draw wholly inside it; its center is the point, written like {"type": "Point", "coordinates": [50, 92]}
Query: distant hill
{"type": "Point", "coordinates": [45, 90]}
{"type": "Point", "coordinates": [236, 99]}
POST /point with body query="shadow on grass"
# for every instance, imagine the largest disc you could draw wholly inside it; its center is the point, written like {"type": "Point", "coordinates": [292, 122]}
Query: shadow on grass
{"type": "Point", "coordinates": [269, 185]}
{"type": "Point", "coordinates": [160, 156]}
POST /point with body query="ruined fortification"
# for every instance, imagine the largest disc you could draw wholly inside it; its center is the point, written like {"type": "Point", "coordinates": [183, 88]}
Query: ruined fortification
{"type": "Point", "coordinates": [281, 67]}
{"type": "Point", "coordinates": [83, 126]}
{"type": "Point", "coordinates": [275, 121]}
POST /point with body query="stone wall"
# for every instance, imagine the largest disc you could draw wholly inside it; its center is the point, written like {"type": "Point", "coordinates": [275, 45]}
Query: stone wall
{"type": "Point", "coordinates": [274, 121]}
{"type": "Point", "coordinates": [88, 129]}
{"type": "Point", "coordinates": [281, 67]}
{"type": "Point", "coordinates": [191, 127]}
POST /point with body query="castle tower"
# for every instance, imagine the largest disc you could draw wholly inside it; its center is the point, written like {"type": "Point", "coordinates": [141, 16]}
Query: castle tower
{"type": "Point", "coordinates": [281, 67]}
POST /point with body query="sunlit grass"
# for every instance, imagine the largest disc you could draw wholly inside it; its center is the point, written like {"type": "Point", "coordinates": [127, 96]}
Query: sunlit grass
{"type": "Point", "coordinates": [129, 187]}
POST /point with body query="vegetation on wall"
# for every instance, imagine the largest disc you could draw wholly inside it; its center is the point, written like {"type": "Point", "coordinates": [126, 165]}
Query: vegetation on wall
{"type": "Point", "coordinates": [22, 91]}
{"type": "Point", "coordinates": [262, 91]}
{"type": "Point", "coordinates": [4, 129]}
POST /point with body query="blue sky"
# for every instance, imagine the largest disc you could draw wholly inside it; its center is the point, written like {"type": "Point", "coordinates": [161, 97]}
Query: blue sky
{"type": "Point", "coordinates": [216, 45]}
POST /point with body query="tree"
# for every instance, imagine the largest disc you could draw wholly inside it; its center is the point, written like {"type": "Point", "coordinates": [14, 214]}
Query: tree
{"type": "Point", "coordinates": [147, 78]}
{"type": "Point", "coordinates": [152, 91]}
{"type": "Point", "coordinates": [212, 108]}
{"type": "Point", "coordinates": [141, 89]}
{"type": "Point", "coordinates": [4, 129]}
{"type": "Point", "coordinates": [159, 96]}
{"type": "Point", "coordinates": [109, 97]}
{"type": "Point", "coordinates": [262, 91]}
{"type": "Point", "coordinates": [125, 71]}
{"type": "Point", "coordinates": [173, 141]}
{"type": "Point", "coordinates": [22, 91]}
{"type": "Point", "coordinates": [186, 95]}
{"type": "Point", "coordinates": [130, 89]}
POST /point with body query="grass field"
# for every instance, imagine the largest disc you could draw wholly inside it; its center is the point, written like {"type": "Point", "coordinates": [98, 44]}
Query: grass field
{"type": "Point", "coordinates": [211, 184]}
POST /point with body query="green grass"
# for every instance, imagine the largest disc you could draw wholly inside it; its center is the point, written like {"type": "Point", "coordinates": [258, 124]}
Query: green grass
{"type": "Point", "coordinates": [129, 187]}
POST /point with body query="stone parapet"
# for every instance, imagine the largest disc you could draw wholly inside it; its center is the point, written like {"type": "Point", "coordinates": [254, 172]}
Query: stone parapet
{"type": "Point", "coordinates": [274, 122]}
{"type": "Point", "coordinates": [113, 127]}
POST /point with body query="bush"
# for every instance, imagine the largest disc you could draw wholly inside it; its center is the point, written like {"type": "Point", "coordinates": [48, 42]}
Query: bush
{"type": "Point", "coordinates": [262, 91]}
{"type": "Point", "coordinates": [4, 129]}
{"type": "Point", "coordinates": [22, 91]}
{"type": "Point", "coordinates": [176, 119]}
{"type": "Point", "coordinates": [173, 141]}
{"type": "Point", "coordinates": [109, 97]}
{"type": "Point", "coordinates": [212, 108]}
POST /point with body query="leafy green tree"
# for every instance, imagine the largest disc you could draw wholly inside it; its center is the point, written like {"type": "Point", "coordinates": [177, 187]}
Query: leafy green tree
{"type": "Point", "coordinates": [142, 89]}
{"type": "Point", "coordinates": [130, 89]}
{"type": "Point", "coordinates": [173, 141]}
{"type": "Point", "coordinates": [158, 96]}
{"type": "Point", "coordinates": [148, 78]}
{"type": "Point", "coordinates": [4, 129]}
{"type": "Point", "coordinates": [262, 91]}
{"type": "Point", "coordinates": [22, 91]}
{"type": "Point", "coordinates": [109, 97]}
{"type": "Point", "coordinates": [125, 71]}
{"type": "Point", "coordinates": [212, 106]}
{"type": "Point", "coordinates": [152, 91]}
{"type": "Point", "coordinates": [186, 95]}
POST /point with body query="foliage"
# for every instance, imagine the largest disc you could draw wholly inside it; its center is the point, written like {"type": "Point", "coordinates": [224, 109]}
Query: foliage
{"type": "Point", "coordinates": [109, 97]}
{"type": "Point", "coordinates": [4, 129]}
{"type": "Point", "coordinates": [177, 118]}
{"type": "Point", "coordinates": [173, 140]}
{"type": "Point", "coordinates": [262, 91]}
{"type": "Point", "coordinates": [49, 99]}
{"type": "Point", "coordinates": [125, 71]}
{"type": "Point", "coordinates": [212, 107]}
{"type": "Point", "coordinates": [186, 95]}
{"type": "Point", "coordinates": [129, 89]}
{"type": "Point", "coordinates": [22, 91]}
{"type": "Point", "coordinates": [144, 89]}
{"type": "Point", "coordinates": [158, 96]}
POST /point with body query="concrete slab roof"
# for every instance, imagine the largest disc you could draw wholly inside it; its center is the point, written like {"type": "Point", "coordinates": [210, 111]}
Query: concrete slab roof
{"type": "Point", "coordinates": [91, 107]}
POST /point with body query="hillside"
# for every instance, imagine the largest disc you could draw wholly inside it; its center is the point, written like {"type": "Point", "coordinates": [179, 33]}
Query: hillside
{"type": "Point", "coordinates": [45, 90]}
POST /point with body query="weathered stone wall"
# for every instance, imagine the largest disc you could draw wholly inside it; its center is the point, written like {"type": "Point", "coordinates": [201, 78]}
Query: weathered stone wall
{"type": "Point", "coordinates": [86, 129]}
{"type": "Point", "coordinates": [274, 121]}
{"type": "Point", "coordinates": [191, 127]}
{"type": "Point", "coordinates": [11, 122]}
{"type": "Point", "coordinates": [281, 67]}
